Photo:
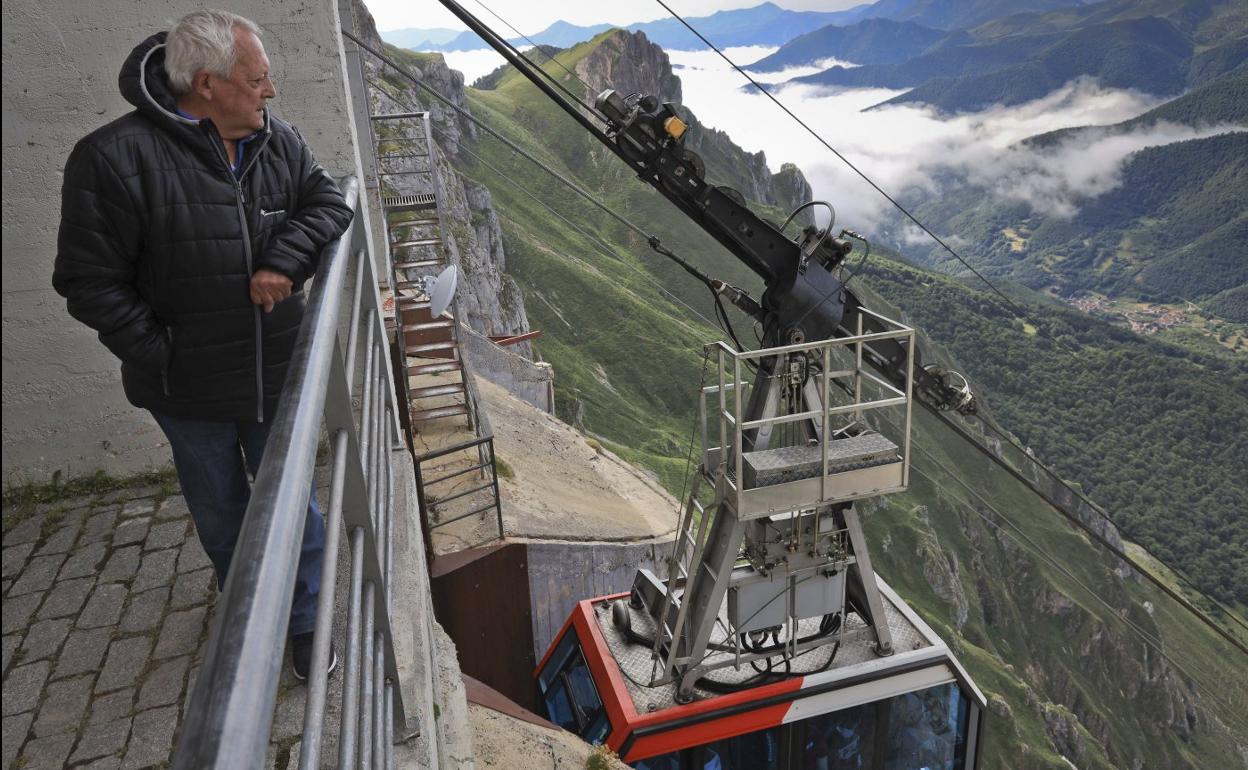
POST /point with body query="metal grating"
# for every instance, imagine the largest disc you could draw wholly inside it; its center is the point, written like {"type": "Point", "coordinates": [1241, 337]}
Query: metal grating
{"type": "Point", "coordinates": [415, 200]}
{"type": "Point", "coordinates": [768, 467]}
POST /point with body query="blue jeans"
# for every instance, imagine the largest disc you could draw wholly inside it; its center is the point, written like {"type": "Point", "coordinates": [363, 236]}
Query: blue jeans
{"type": "Point", "coordinates": [212, 460]}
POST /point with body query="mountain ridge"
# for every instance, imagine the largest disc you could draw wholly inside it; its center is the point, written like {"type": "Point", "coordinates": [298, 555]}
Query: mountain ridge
{"type": "Point", "coordinates": [764, 24]}
{"type": "Point", "coordinates": [1161, 47]}
{"type": "Point", "coordinates": [871, 41]}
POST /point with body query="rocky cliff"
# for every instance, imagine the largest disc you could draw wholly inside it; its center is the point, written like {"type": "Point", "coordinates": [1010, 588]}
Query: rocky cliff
{"type": "Point", "coordinates": [629, 63]}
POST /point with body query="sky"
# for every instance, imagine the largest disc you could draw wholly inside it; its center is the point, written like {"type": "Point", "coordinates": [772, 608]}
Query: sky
{"type": "Point", "coordinates": [532, 16]}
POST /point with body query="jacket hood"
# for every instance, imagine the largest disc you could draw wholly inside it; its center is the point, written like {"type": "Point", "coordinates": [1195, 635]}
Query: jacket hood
{"type": "Point", "coordinates": [144, 84]}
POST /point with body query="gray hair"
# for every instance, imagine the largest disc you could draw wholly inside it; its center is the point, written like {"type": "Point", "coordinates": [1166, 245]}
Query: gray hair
{"type": "Point", "coordinates": [203, 40]}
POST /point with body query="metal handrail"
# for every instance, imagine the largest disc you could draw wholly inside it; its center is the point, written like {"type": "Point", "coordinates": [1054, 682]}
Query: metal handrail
{"type": "Point", "coordinates": [728, 401]}
{"type": "Point", "coordinates": [485, 447]}
{"type": "Point", "coordinates": [230, 713]}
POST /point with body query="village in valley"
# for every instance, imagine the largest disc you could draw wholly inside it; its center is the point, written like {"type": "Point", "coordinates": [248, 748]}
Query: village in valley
{"type": "Point", "coordinates": [1173, 322]}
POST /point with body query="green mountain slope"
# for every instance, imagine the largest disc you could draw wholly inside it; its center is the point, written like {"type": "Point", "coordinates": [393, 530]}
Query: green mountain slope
{"type": "Point", "coordinates": [960, 14]}
{"type": "Point", "coordinates": [953, 57]}
{"type": "Point", "coordinates": [1221, 102]}
{"type": "Point", "coordinates": [1068, 681]}
{"type": "Point", "coordinates": [1149, 55]}
{"type": "Point", "coordinates": [1208, 23]}
{"type": "Point", "coordinates": [1172, 230]}
{"type": "Point", "coordinates": [874, 41]}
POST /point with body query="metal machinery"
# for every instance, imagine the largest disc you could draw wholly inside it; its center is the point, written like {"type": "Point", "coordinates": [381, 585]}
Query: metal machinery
{"type": "Point", "coordinates": [770, 642]}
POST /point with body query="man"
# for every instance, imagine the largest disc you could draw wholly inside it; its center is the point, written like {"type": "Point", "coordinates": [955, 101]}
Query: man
{"type": "Point", "coordinates": [188, 228]}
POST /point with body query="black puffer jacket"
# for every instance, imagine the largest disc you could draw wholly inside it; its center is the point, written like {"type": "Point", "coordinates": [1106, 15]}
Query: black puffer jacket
{"type": "Point", "coordinates": [159, 240]}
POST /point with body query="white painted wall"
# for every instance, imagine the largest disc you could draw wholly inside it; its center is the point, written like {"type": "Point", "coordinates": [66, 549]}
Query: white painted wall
{"type": "Point", "coordinates": [63, 406]}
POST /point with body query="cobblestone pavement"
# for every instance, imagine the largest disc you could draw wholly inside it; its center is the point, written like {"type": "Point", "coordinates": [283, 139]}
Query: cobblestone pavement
{"type": "Point", "coordinates": [107, 604]}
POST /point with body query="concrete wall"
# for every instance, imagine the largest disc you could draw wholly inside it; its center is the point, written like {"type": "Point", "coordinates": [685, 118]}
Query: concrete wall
{"type": "Point", "coordinates": [63, 407]}
{"type": "Point", "coordinates": [563, 574]}
{"type": "Point", "coordinates": [531, 381]}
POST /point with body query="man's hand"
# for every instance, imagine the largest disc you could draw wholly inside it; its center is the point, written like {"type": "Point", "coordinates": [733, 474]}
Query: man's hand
{"type": "Point", "coordinates": [268, 288]}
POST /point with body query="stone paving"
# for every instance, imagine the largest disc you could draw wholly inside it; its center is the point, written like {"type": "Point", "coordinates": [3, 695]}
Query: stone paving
{"type": "Point", "coordinates": [107, 603]}
{"type": "Point", "coordinates": [104, 612]}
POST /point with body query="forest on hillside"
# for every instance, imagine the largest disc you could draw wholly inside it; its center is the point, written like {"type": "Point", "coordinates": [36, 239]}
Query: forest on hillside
{"type": "Point", "coordinates": [1164, 450]}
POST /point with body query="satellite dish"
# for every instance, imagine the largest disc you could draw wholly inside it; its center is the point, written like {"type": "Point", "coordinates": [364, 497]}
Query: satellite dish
{"type": "Point", "coordinates": [441, 290]}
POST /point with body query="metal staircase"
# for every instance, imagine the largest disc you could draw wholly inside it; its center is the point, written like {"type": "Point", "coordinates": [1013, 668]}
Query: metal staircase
{"type": "Point", "coordinates": [436, 380]}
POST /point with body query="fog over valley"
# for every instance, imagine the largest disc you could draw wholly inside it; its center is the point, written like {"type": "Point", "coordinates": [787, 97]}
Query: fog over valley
{"type": "Point", "coordinates": [908, 147]}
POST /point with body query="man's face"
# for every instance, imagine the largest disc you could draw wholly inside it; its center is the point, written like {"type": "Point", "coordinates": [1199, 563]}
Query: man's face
{"type": "Point", "coordinates": [238, 102]}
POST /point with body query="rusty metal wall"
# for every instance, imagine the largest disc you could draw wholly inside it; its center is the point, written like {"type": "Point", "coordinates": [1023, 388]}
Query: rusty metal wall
{"type": "Point", "coordinates": [503, 604]}
{"type": "Point", "coordinates": [481, 598]}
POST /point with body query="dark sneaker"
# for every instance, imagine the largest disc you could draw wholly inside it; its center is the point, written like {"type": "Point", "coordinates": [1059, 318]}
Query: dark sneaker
{"type": "Point", "coordinates": [301, 655]}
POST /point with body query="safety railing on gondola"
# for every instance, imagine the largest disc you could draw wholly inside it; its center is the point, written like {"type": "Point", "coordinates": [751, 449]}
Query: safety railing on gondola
{"type": "Point", "coordinates": [339, 377]}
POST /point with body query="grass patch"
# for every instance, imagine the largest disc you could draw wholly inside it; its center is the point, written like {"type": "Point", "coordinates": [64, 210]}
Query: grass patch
{"type": "Point", "coordinates": [601, 758]}
{"type": "Point", "coordinates": [502, 469]}
{"type": "Point", "coordinates": [57, 488]}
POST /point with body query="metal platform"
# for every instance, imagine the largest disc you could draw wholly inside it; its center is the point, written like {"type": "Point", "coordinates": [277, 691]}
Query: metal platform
{"type": "Point", "coordinates": [779, 466]}
{"type": "Point", "coordinates": [854, 656]}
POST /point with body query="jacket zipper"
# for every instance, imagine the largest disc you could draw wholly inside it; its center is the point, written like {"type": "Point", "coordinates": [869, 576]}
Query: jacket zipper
{"type": "Point", "coordinates": [242, 218]}
{"type": "Point", "coordinates": [240, 202]}
{"type": "Point", "coordinates": [164, 373]}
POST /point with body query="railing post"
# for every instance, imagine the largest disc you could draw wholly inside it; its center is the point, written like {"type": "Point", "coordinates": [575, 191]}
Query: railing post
{"type": "Point", "coordinates": [318, 677]}
{"type": "Point", "coordinates": [351, 676]}
{"type": "Point", "coordinates": [498, 502]}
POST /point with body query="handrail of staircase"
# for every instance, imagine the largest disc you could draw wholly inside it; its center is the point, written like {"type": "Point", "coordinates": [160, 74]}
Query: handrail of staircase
{"type": "Point", "coordinates": [230, 714]}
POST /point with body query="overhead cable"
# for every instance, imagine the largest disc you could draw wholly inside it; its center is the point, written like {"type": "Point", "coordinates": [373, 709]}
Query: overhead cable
{"type": "Point", "coordinates": [1104, 542]}
{"type": "Point", "coordinates": [602, 246]}
{"type": "Point", "coordinates": [1101, 513]}
{"type": "Point", "coordinates": [549, 58]}
{"type": "Point", "coordinates": [657, 246]}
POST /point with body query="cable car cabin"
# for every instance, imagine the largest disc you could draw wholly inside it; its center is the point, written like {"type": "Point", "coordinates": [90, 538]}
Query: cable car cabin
{"type": "Point", "coordinates": [772, 644]}
{"type": "Point", "coordinates": [837, 706]}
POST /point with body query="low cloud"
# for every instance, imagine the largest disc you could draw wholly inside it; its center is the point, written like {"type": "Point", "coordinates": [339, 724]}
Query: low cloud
{"type": "Point", "coordinates": [1055, 180]}
{"type": "Point", "coordinates": [913, 150]}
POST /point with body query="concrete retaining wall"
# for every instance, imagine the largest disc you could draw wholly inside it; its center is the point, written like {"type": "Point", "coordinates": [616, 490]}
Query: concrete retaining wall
{"type": "Point", "coordinates": [526, 380]}
{"type": "Point", "coordinates": [562, 574]}
{"type": "Point", "coordinates": [63, 407]}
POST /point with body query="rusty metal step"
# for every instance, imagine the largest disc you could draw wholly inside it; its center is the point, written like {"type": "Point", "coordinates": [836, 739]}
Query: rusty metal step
{"type": "Point", "coordinates": [414, 242]}
{"type": "Point", "coordinates": [442, 366]}
{"type": "Point", "coordinates": [422, 222]}
{"type": "Point", "coordinates": [425, 415]}
{"type": "Point", "coordinates": [429, 347]}
{"type": "Point", "coordinates": [426, 325]}
{"type": "Point", "coordinates": [437, 390]}
{"type": "Point", "coordinates": [417, 263]}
